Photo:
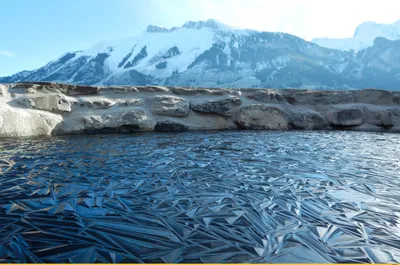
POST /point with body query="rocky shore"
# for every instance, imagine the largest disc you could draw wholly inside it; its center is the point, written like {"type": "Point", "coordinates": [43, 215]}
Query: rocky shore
{"type": "Point", "coordinates": [46, 108]}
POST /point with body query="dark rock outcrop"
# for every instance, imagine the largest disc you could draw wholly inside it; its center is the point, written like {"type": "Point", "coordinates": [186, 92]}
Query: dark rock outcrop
{"type": "Point", "coordinates": [221, 107]}
{"type": "Point", "coordinates": [307, 120]}
{"type": "Point", "coordinates": [170, 126]}
{"type": "Point", "coordinates": [346, 117]}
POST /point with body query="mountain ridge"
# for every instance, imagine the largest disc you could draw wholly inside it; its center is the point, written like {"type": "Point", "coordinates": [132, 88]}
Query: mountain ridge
{"type": "Point", "coordinates": [363, 37]}
{"type": "Point", "coordinates": [212, 54]}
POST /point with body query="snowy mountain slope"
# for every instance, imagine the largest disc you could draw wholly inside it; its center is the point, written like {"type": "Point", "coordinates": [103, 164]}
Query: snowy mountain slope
{"type": "Point", "coordinates": [211, 54]}
{"type": "Point", "coordinates": [363, 37]}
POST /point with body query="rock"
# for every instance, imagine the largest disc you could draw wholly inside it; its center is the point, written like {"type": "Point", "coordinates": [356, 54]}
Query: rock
{"type": "Point", "coordinates": [346, 117]}
{"type": "Point", "coordinates": [200, 91]}
{"type": "Point", "coordinates": [56, 103]}
{"type": "Point", "coordinates": [385, 118]}
{"type": "Point", "coordinates": [307, 120]}
{"type": "Point", "coordinates": [98, 103]}
{"type": "Point", "coordinates": [221, 107]}
{"type": "Point", "coordinates": [396, 99]}
{"type": "Point", "coordinates": [261, 116]}
{"type": "Point", "coordinates": [130, 102]}
{"type": "Point", "coordinates": [121, 89]}
{"type": "Point", "coordinates": [374, 96]}
{"type": "Point", "coordinates": [200, 122]}
{"type": "Point", "coordinates": [196, 109]}
{"type": "Point", "coordinates": [376, 116]}
{"type": "Point", "coordinates": [67, 89]}
{"type": "Point", "coordinates": [152, 89]}
{"type": "Point", "coordinates": [3, 90]}
{"type": "Point", "coordinates": [16, 122]}
{"type": "Point", "coordinates": [395, 116]}
{"type": "Point", "coordinates": [267, 96]}
{"type": "Point", "coordinates": [136, 116]}
{"type": "Point", "coordinates": [168, 106]}
{"type": "Point", "coordinates": [310, 97]}
{"type": "Point", "coordinates": [82, 90]}
{"type": "Point", "coordinates": [169, 126]}
{"type": "Point", "coordinates": [136, 119]}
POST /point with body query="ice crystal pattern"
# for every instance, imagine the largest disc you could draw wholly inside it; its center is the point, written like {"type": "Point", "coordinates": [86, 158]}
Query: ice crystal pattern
{"type": "Point", "coordinates": [201, 198]}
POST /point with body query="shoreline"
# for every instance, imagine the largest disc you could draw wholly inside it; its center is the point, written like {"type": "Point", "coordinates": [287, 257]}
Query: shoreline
{"type": "Point", "coordinates": [48, 108]}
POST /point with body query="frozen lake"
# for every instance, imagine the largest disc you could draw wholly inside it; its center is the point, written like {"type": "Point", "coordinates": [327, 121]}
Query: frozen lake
{"type": "Point", "coordinates": [211, 197]}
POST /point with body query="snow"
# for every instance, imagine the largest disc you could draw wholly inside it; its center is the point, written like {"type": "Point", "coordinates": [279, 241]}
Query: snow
{"type": "Point", "coordinates": [363, 37]}
{"type": "Point", "coordinates": [192, 39]}
{"type": "Point", "coordinates": [191, 42]}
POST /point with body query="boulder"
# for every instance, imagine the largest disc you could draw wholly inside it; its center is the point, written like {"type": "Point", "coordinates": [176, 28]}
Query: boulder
{"type": "Point", "coordinates": [346, 117]}
{"type": "Point", "coordinates": [396, 98]}
{"type": "Point", "coordinates": [385, 118]}
{"type": "Point", "coordinates": [170, 126]}
{"type": "Point", "coordinates": [72, 90]}
{"type": "Point", "coordinates": [3, 90]}
{"type": "Point", "coordinates": [152, 89]}
{"type": "Point", "coordinates": [105, 121]}
{"type": "Point", "coordinates": [130, 102]}
{"type": "Point", "coordinates": [261, 116]}
{"type": "Point", "coordinates": [374, 96]}
{"type": "Point", "coordinates": [135, 118]}
{"type": "Point", "coordinates": [312, 97]}
{"type": "Point", "coordinates": [221, 107]}
{"type": "Point", "coordinates": [267, 96]}
{"type": "Point", "coordinates": [376, 116]}
{"type": "Point", "coordinates": [16, 122]}
{"type": "Point", "coordinates": [165, 105]}
{"type": "Point", "coordinates": [121, 89]}
{"type": "Point", "coordinates": [395, 116]}
{"type": "Point", "coordinates": [307, 120]}
{"type": "Point", "coordinates": [56, 103]}
{"type": "Point", "coordinates": [98, 103]}
{"type": "Point", "coordinates": [202, 91]}
{"type": "Point", "coordinates": [81, 90]}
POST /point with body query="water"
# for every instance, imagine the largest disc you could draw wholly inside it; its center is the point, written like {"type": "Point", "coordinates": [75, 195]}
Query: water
{"type": "Point", "coordinates": [201, 197]}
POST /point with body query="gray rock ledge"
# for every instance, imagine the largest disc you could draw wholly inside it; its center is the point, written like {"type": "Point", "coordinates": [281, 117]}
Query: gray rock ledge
{"type": "Point", "coordinates": [48, 108]}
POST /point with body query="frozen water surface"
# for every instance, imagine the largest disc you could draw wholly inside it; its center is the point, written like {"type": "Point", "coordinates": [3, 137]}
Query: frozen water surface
{"type": "Point", "coordinates": [208, 197]}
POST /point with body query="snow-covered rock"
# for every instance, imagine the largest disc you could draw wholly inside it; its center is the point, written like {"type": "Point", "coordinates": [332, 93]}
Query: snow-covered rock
{"type": "Point", "coordinates": [56, 103]}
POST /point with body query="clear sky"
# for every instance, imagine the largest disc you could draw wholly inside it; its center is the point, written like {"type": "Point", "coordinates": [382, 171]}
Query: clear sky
{"type": "Point", "coordinates": [33, 32]}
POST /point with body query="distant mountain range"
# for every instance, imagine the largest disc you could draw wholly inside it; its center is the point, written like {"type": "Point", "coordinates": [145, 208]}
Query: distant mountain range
{"type": "Point", "coordinates": [363, 37]}
{"type": "Point", "coordinates": [212, 54]}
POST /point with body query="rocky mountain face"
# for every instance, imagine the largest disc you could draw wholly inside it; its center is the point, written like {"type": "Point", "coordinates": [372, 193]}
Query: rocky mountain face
{"type": "Point", "coordinates": [210, 54]}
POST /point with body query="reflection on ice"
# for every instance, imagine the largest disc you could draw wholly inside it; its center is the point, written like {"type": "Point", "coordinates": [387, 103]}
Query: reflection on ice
{"type": "Point", "coordinates": [254, 197]}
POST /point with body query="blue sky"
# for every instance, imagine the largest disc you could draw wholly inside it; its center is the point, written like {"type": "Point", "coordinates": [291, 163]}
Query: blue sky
{"type": "Point", "coordinates": [33, 32]}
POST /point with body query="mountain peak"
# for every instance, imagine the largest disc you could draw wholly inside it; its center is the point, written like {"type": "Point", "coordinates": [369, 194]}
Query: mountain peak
{"type": "Point", "coordinates": [152, 28]}
{"type": "Point", "coordinates": [210, 23]}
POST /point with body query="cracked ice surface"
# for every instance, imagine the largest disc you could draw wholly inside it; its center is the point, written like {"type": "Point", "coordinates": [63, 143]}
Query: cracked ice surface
{"type": "Point", "coordinates": [201, 197]}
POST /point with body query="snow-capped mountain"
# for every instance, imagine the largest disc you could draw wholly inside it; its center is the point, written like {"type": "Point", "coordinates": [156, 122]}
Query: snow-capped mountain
{"type": "Point", "coordinates": [212, 54]}
{"type": "Point", "coordinates": [363, 37]}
